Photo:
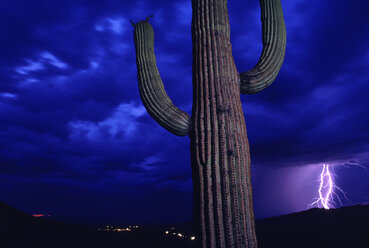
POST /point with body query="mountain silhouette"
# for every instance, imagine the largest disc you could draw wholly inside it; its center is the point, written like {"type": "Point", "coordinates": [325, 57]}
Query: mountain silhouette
{"type": "Point", "coordinates": [343, 227]}
{"type": "Point", "coordinates": [316, 228]}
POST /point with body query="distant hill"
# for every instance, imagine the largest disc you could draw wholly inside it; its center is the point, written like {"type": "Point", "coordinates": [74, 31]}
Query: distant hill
{"type": "Point", "coordinates": [316, 228]}
{"type": "Point", "coordinates": [343, 227]}
{"type": "Point", "coordinates": [18, 229]}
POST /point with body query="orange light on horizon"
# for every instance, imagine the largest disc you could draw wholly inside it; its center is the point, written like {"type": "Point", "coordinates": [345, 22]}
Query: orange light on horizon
{"type": "Point", "coordinates": [41, 215]}
{"type": "Point", "coordinates": [38, 215]}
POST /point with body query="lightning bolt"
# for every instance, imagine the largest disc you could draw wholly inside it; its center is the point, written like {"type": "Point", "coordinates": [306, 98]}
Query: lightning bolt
{"type": "Point", "coordinates": [326, 188]}
{"type": "Point", "coordinates": [328, 191]}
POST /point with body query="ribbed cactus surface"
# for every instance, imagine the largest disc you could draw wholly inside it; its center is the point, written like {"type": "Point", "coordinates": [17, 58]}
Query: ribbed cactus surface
{"type": "Point", "coordinates": [223, 206]}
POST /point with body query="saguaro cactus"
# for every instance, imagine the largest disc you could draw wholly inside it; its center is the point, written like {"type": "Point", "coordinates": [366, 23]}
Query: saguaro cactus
{"type": "Point", "coordinates": [223, 205]}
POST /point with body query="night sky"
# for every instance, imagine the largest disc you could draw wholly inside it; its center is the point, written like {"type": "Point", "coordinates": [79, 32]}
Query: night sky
{"type": "Point", "coordinates": [77, 143]}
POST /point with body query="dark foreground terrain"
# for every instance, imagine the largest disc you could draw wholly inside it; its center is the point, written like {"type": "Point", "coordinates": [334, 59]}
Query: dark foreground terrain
{"type": "Point", "coordinates": [345, 227]}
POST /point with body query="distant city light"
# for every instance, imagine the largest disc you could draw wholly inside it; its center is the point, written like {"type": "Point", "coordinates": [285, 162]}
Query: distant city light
{"type": "Point", "coordinates": [134, 228]}
{"type": "Point", "coordinates": [118, 228]}
{"type": "Point", "coordinates": [122, 229]}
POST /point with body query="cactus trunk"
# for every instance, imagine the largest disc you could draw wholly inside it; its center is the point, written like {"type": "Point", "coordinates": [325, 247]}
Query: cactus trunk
{"type": "Point", "coordinates": [219, 145]}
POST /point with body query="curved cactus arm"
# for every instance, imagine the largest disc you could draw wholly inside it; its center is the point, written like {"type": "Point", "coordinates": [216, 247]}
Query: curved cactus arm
{"type": "Point", "coordinates": [274, 46]}
{"type": "Point", "coordinates": [153, 94]}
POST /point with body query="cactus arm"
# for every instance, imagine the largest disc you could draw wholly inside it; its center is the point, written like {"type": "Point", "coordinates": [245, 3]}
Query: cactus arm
{"type": "Point", "coordinates": [152, 92]}
{"type": "Point", "coordinates": [274, 46]}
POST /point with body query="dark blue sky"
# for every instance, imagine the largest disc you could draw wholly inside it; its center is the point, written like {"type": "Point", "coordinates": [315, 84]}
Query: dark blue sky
{"type": "Point", "coordinates": [77, 143]}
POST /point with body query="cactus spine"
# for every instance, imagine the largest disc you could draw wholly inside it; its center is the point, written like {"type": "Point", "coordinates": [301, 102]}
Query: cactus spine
{"type": "Point", "coordinates": [223, 206]}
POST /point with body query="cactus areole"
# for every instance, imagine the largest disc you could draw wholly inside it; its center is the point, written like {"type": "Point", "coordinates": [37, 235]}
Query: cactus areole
{"type": "Point", "coordinates": [220, 157]}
